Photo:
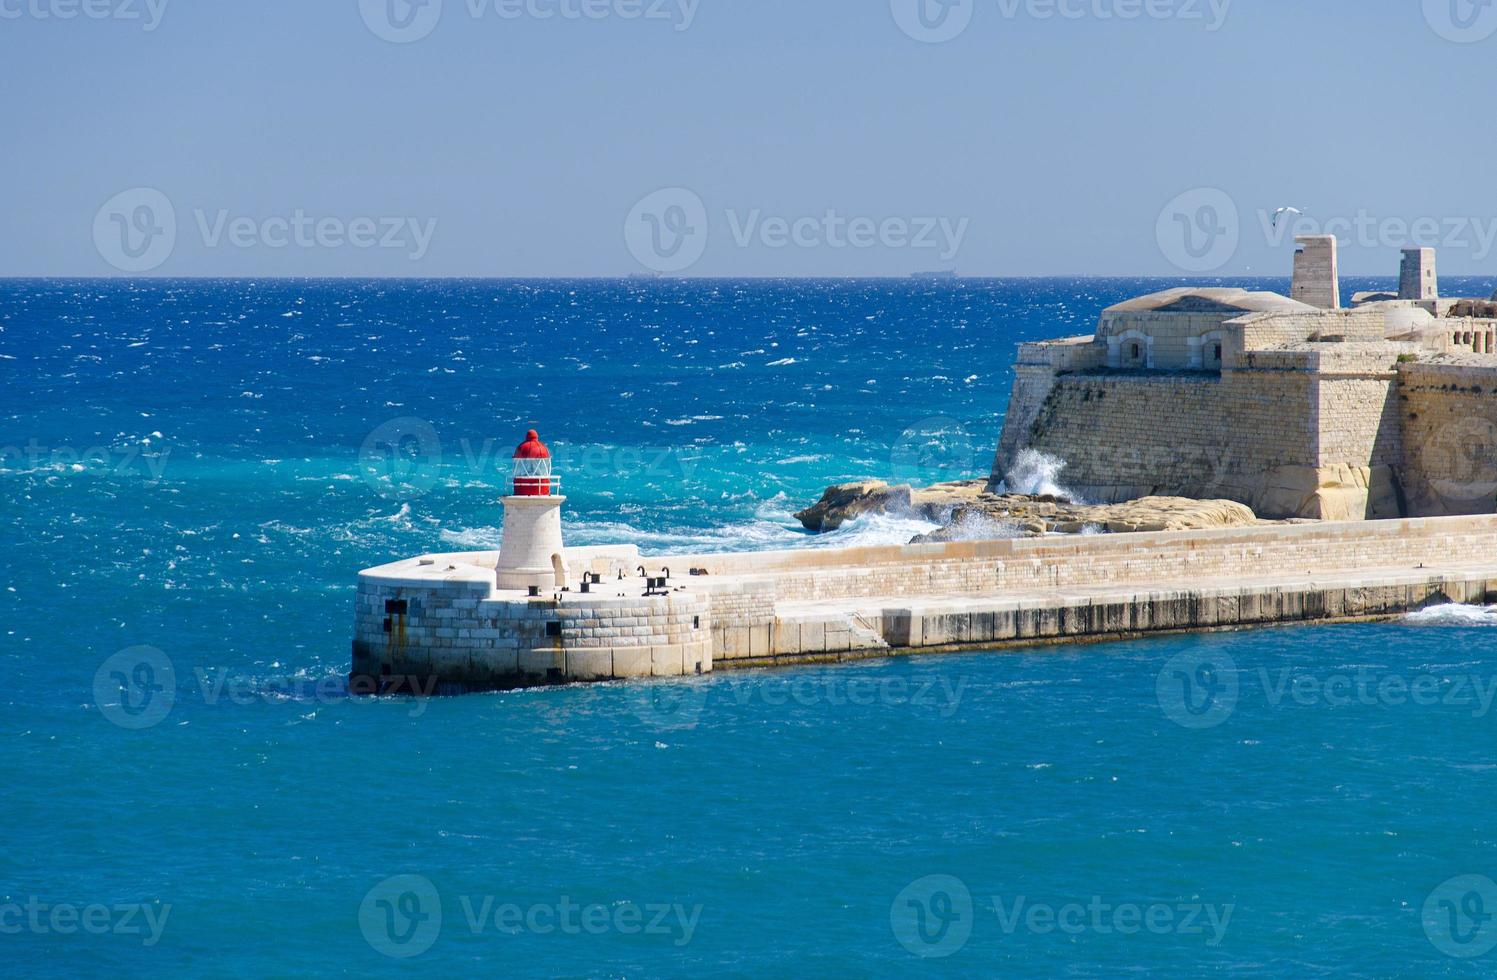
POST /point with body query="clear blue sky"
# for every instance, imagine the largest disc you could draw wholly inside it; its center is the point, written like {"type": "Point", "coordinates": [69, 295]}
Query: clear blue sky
{"type": "Point", "coordinates": [1052, 143]}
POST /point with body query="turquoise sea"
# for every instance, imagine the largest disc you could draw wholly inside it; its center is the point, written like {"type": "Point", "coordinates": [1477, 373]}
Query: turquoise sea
{"type": "Point", "coordinates": [194, 471]}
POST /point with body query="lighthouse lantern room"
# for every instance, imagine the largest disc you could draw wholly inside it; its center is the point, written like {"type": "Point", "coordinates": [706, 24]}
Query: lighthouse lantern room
{"type": "Point", "coordinates": [530, 554]}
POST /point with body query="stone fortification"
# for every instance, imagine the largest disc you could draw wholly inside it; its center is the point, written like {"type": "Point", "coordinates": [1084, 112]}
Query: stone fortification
{"type": "Point", "coordinates": [1294, 411]}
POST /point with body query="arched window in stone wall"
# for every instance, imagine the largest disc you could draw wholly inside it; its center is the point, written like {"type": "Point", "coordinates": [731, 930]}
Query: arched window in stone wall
{"type": "Point", "coordinates": [1211, 346]}
{"type": "Point", "coordinates": [1131, 349]}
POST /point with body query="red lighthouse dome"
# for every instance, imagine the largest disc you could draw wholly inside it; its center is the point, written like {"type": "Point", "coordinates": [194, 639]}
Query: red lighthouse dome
{"type": "Point", "coordinates": [532, 467]}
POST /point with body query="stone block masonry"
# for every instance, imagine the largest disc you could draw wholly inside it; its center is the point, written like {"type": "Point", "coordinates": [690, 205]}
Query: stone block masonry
{"type": "Point", "coordinates": [444, 620]}
{"type": "Point", "coordinates": [1316, 277]}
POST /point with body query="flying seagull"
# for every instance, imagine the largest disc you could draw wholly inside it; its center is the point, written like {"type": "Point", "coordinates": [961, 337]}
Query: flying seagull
{"type": "Point", "coordinates": [1283, 211]}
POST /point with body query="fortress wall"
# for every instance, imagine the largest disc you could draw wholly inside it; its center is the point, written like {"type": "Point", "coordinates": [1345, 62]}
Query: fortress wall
{"type": "Point", "coordinates": [1359, 421]}
{"type": "Point", "coordinates": [1448, 421]}
{"type": "Point", "coordinates": [1307, 430]}
{"type": "Point", "coordinates": [1128, 436]}
{"type": "Point", "coordinates": [1204, 436]}
{"type": "Point", "coordinates": [1034, 375]}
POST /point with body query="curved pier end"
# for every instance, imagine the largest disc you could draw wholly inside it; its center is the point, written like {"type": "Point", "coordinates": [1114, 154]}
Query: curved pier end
{"type": "Point", "coordinates": [441, 621]}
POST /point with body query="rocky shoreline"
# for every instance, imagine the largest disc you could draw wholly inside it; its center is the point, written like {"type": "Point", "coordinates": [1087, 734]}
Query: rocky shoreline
{"type": "Point", "coordinates": [968, 510]}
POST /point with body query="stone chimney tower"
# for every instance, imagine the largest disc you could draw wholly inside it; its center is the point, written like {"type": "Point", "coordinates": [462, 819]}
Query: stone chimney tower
{"type": "Point", "coordinates": [1417, 278]}
{"type": "Point", "coordinates": [1316, 279]}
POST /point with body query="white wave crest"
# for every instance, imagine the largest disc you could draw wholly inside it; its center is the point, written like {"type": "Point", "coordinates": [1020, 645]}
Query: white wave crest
{"type": "Point", "coordinates": [1037, 474]}
{"type": "Point", "coordinates": [971, 525]}
{"type": "Point", "coordinates": [1453, 614]}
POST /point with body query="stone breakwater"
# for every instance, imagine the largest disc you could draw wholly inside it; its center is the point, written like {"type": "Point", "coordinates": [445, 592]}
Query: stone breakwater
{"type": "Point", "coordinates": [440, 618]}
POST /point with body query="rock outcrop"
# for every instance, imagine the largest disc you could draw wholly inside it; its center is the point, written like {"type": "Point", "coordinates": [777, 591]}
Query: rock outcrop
{"type": "Point", "coordinates": [968, 511]}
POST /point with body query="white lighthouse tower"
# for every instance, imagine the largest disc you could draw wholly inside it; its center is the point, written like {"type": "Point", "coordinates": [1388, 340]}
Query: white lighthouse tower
{"type": "Point", "coordinates": [530, 554]}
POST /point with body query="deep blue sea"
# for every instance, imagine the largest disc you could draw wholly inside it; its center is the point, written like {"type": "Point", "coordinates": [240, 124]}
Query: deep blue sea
{"type": "Point", "coordinates": [202, 467]}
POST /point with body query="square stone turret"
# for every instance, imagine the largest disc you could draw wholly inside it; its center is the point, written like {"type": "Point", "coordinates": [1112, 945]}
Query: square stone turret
{"type": "Point", "coordinates": [1417, 278]}
{"type": "Point", "coordinates": [1316, 279]}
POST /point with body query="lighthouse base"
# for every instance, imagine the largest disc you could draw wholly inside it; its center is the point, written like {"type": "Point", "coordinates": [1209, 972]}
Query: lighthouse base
{"type": "Point", "coordinates": [530, 555]}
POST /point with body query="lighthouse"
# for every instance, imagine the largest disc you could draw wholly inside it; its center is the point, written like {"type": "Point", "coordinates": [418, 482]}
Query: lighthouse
{"type": "Point", "coordinates": [530, 554]}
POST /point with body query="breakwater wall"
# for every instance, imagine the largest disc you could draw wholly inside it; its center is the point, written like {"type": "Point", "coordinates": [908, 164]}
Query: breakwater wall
{"type": "Point", "coordinates": [440, 616]}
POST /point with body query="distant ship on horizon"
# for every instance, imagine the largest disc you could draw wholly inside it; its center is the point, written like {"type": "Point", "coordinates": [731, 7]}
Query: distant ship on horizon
{"type": "Point", "coordinates": [939, 274]}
